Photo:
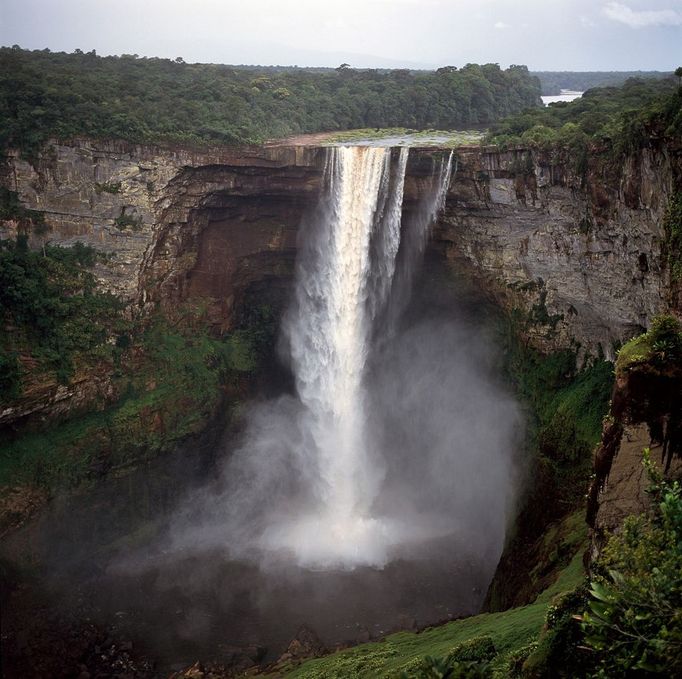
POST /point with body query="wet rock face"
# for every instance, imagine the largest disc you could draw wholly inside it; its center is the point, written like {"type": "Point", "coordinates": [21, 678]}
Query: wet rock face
{"type": "Point", "coordinates": [580, 257]}
{"type": "Point", "coordinates": [224, 231]}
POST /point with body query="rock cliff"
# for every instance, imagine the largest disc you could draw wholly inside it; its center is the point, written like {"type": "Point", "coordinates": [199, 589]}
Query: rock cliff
{"type": "Point", "coordinates": [578, 254]}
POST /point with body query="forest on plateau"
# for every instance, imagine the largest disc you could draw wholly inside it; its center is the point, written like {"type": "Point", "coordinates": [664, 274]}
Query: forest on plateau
{"type": "Point", "coordinates": [553, 82]}
{"type": "Point", "coordinates": [620, 119]}
{"type": "Point", "coordinates": [53, 94]}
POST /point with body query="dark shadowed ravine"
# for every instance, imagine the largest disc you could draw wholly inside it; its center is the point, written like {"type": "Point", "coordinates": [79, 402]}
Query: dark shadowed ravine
{"type": "Point", "coordinates": [104, 556]}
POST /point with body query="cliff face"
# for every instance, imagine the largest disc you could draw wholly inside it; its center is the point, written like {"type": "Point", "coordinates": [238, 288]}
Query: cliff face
{"type": "Point", "coordinates": [578, 256]}
{"type": "Point", "coordinates": [177, 225]}
{"type": "Point", "coordinates": [575, 256]}
{"type": "Point", "coordinates": [145, 205]}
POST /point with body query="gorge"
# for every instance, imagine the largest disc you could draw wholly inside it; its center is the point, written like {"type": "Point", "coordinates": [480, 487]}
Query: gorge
{"type": "Point", "coordinates": [205, 236]}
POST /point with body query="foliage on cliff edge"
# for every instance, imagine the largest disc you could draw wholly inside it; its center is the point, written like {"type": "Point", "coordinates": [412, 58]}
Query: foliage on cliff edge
{"type": "Point", "coordinates": [649, 371]}
{"type": "Point", "coordinates": [51, 312]}
{"type": "Point", "coordinates": [618, 118]}
{"type": "Point", "coordinates": [634, 622]}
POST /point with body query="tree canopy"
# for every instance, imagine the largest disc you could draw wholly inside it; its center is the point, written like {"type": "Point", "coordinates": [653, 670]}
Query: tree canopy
{"type": "Point", "coordinates": [45, 94]}
{"type": "Point", "coordinates": [623, 117]}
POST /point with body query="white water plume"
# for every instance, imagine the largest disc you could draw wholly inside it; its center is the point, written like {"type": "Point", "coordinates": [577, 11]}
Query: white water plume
{"type": "Point", "coordinates": [340, 288]}
{"type": "Point", "coordinates": [392, 434]}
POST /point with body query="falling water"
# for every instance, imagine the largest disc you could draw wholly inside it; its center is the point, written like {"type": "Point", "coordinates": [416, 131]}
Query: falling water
{"type": "Point", "coordinates": [345, 276]}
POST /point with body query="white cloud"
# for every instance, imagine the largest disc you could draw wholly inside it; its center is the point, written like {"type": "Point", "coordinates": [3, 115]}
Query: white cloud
{"type": "Point", "coordinates": [642, 18]}
{"type": "Point", "coordinates": [501, 25]}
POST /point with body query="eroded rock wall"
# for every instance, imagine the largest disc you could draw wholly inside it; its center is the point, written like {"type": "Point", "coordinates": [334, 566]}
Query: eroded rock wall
{"type": "Point", "coordinates": [138, 203]}
{"type": "Point", "coordinates": [579, 255]}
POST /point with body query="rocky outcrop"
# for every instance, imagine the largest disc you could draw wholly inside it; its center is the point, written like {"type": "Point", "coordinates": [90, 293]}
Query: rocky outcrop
{"type": "Point", "coordinates": [578, 255]}
{"type": "Point", "coordinates": [645, 413]}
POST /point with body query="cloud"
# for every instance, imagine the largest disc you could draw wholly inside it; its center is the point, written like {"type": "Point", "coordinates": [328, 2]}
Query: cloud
{"type": "Point", "coordinates": [501, 25]}
{"type": "Point", "coordinates": [643, 18]}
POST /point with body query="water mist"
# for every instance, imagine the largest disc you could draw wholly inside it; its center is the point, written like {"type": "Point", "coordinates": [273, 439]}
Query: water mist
{"type": "Point", "coordinates": [321, 477]}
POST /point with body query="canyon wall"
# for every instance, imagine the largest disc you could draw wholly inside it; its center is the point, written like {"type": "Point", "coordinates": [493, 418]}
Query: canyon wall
{"type": "Point", "coordinates": [578, 255]}
{"type": "Point", "coordinates": [575, 255]}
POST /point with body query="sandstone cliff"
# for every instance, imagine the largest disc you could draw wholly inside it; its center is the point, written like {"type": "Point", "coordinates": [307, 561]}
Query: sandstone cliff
{"type": "Point", "coordinates": [579, 255]}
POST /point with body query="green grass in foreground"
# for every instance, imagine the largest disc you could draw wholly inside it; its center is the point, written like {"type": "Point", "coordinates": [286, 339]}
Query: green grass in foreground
{"type": "Point", "coordinates": [404, 651]}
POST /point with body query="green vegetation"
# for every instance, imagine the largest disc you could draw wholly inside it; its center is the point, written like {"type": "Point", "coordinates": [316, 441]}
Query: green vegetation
{"type": "Point", "coordinates": [651, 367]}
{"type": "Point", "coordinates": [620, 117]}
{"type": "Point", "coordinates": [11, 208]}
{"type": "Point", "coordinates": [167, 382]}
{"type": "Point", "coordinates": [660, 346]}
{"type": "Point", "coordinates": [170, 386]}
{"type": "Point", "coordinates": [108, 187]}
{"type": "Point", "coordinates": [123, 221]}
{"type": "Point", "coordinates": [50, 309]}
{"type": "Point", "coordinates": [672, 225]}
{"type": "Point", "coordinates": [553, 82]}
{"type": "Point", "coordinates": [635, 610]}
{"type": "Point", "coordinates": [633, 623]}
{"type": "Point", "coordinates": [565, 407]}
{"type": "Point", "coordinates": [44, 94]}
{"type": "Point", "coordinates": [469, 642]}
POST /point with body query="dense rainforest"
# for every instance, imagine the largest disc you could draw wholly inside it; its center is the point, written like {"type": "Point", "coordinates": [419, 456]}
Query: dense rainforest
{"type": "Point", "coordinates": [45, 94]}
{"type": "Point", "coordinates": [553, 82]}
{"type": "Point", "coordinates": [616, 117]}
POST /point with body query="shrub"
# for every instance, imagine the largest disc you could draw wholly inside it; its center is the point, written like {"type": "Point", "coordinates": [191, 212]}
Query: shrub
{"type": "Point", "coordinates": [634, 620]}
{"type": "Point", "coordinates": [50, 301]}
{"type": "Point", "coordinates": [10, 376]}
{"type": "Point", "coordinates": [444, 668]}
{"type": "Point", "coordinates": [123, 221]}
{"type": "Point", "coordinates": [478, 648]}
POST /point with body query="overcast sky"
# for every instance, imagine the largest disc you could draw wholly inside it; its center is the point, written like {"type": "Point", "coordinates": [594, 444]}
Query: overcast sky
{"type": "Point", "coordinates": [544, 34]}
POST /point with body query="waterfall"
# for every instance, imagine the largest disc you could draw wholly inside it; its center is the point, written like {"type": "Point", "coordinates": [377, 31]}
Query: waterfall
{"type": "Point", "coordinates": [397, 430]}
{"type": "Point", "coordinates": [345, 276]}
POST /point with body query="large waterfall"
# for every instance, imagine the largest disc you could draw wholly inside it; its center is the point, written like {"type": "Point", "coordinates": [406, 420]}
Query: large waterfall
{"type": "Point", "coordinates": [348, 259]}
{"type": "Point", "coordinates": [396, 428]}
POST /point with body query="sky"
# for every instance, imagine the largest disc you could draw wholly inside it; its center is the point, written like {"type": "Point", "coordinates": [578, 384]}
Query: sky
{"type": "Point", "coordinates": [543, 34]}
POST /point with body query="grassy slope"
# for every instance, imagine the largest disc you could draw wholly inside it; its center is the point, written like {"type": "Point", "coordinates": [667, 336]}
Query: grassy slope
{"type": "Point", "coordinates": [399, 652]}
